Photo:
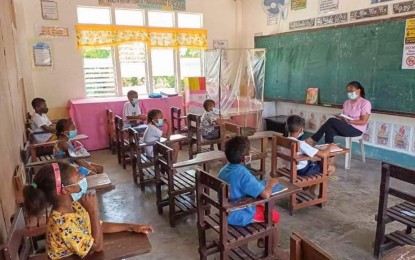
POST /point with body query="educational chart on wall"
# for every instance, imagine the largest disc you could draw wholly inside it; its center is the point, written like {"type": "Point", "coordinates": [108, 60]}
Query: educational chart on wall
{"type": "Point", "coordinates": [298, 4]}
{"type": "Point", "coordinates": [51, 31]}
{"type": "Point", "coordinates": [302, 24]}
{"type": "Point", "coordinates": [49, 10]}
{"type": "Point", "coordinates": [408, 57]}
{"type": "Point", "coordinates": [404, 7]}
{"type": "Point", "coordinates": [380, 1]}
{"type": "Point", "coordinates": [42, 55]}
{"type": "Point", "coordinates": [177, 5]}
{"type": "Point", "coordinates": [331, 19]}
{"type": "Point", "coordinates": [369, 12]}
{"type": "Point", "coordinates": [400, 139]}
{"type": "Point", "coordinates": [328, 6]}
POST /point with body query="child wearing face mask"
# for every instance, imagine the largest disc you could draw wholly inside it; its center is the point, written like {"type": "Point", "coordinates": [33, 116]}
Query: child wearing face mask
{"type": "Point", "coordinates": [243, 184]}
{"type": "Point", "coordinates": [73, 226]}
{"type": "Point", "coordinates": [295, 127]}
{"type": "Point", "coordinates": [40, 122]}
{"type": "Point", "coordinates": [210, 129]}
{"type": "Point", "coordinates": [65, 130]}
{"type": "Point", "coordinates": [154, 132]}
{"type": "Point", "coordinates": [132, 112]}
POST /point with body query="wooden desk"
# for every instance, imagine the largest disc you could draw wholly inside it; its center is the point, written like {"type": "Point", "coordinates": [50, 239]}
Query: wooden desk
{"type": "Point", "coordinates": [202, 158]}
{"type": "Point", "coordinates": [173, 138]}
{"type": "Point", "coordinates": [263, 134]}
{"type": "Point", "coordinates": [99, 182]}
{"type": "Point", "coordinates": [402, 252]}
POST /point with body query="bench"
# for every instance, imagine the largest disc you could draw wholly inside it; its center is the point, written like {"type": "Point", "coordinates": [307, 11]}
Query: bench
{"type": "Point", "coordinates": [303, 249]}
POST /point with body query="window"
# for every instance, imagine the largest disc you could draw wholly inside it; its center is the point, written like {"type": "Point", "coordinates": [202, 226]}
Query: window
{"type": "Point", "coordinates": [112, 71]}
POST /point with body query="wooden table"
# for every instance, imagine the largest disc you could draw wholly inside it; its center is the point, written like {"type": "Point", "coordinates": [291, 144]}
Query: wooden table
{"type": "Point", "coordinates": [402, 252]}
{"type": "Point", "coordinates": [99, 182]}
{"type": "Point", "coordinates": [202, 158]}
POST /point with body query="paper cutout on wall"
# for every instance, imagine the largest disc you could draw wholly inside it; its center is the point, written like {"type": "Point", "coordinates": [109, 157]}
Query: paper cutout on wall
{"type": "Point", "coordinates": [401, 137]}
{"type": "Point", "coordinates": [368, 135]}
{"type": "Point", "coordinates": [292, 111]}
{"type": "Point", "coordinates": [322, 119]}
{"type": "Point", "coordinates": [312, 121]}
{"type": "Point", "coordinates": [383, 132]}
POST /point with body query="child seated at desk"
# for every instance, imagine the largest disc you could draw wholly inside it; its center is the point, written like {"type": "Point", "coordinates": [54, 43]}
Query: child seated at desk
{"type": "Point", "coordinates": [243, 184]}
{"type": "Point", "coordinates": [154, 132]}
{"type": "Point", "coordinates": [210, 129]}
{"type": "Point", "coordinates": [295, 127]}
{"type": "Point", "coordinates": [73, 226]}
{"type": "Point", "coordinates": [40, 122]}
{"type": "Point", "coordinates": [132, 112]}
{"type": "Point", "coordinates": [65, 129]}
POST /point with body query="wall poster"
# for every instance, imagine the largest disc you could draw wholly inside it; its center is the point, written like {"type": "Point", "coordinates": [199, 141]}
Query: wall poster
{"type": "Point", "coordinates": [49, 10]}
{"type": "Point", "coordinates": [328, 6]}
{"type": "Point", "coordinates": [42, 55]}
{"type": "Point", "coordinates": [408, 57]}
{"type": "Point", "coordinates": [298, 4]}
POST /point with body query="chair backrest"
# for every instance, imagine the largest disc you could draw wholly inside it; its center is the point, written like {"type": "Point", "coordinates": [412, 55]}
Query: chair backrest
{"type": "Point", "coordinates": [16, 245]}
{"type": "Point", "coordinates": [163, 162]}
{"type": "Point", "coordinates": [303, 249]}
{"type": "Point", "coordinates": [110, 124]}
{"type": "Point", "coordinates": [119, 124]}
{"type": "Point", "coordinates": [19, 181]}
{"type": "Point", "coordinates": [285, 149]}
{"type": "Point", "coordinates": [194, 127]}
{"type": "Point", "coordinates": [176, 120]}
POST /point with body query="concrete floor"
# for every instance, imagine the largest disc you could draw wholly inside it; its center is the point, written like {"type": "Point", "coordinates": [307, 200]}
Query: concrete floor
{"type": "Point", "coordinates": [345, 227]}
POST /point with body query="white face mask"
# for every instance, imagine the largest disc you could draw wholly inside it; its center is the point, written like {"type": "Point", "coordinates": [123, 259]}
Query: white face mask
{"type": "Point", "coordinates": [352, 95]}
{"type": "Point", "coordinates": [247, 159]}
{"type": "Point", "coordinates": [301, 133]}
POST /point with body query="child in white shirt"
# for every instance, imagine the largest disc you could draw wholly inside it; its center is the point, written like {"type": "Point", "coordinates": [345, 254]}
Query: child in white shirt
{"type": "Point", "coordinates": [154, 132]}
{"type": "Point", "coordinates": [40, 122]}
{"type": "Point", "coordinates": [132, 112]}
{"type": "Point", "coordinates": [210, 129]}
{"type": "Point", "coordinates": [295, 127]}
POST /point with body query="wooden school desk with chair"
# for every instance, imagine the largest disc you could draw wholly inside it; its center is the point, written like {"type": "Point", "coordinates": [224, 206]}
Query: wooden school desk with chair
{"type": "Point", "coordinates": [286, 150]}
{"type": "Point", "coordinates": [230, 241]}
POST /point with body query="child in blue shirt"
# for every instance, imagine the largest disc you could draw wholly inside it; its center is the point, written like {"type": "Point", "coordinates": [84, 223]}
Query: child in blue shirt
{"type": "Point", "coordinates": [243, 184]}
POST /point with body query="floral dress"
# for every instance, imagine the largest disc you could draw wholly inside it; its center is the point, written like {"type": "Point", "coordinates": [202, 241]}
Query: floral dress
{"type": "Point", "coordinates": [69, 233]}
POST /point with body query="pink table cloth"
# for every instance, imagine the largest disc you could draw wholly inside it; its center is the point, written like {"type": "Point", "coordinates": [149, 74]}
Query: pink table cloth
{"type": "Point", "coordinates": [89, 115]}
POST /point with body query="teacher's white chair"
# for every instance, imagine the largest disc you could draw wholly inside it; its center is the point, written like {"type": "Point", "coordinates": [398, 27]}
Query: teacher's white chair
{"type": "Point", "coordinates": [348, 156]}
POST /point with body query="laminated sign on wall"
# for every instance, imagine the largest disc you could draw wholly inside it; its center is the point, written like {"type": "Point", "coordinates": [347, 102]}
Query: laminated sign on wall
{"type": "Point", "coordinates": [178, 5]}
{"type": "Point", "coordinates": [408, 57]}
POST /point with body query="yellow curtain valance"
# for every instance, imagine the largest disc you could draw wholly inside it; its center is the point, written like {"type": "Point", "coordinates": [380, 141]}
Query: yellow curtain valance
{"type": "Point", "coordinates": [109, 35]}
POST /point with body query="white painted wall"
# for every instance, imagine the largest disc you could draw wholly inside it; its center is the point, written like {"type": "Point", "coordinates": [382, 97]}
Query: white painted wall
{"type": "Point", "coordinates": [66, 80]}
{"type": "Point", "coordinates": [255, 18]}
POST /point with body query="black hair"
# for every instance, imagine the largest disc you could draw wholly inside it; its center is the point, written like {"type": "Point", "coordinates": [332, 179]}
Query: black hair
{"type": "Point", "coordinates": [152, 114]}
{"type": "Point", "coordinates": [129, 93]}
{"type": "Point", "coordinates": [357, 85]}
{"type": "Point", "coordinates": [42, 193]}
{"type": "Point", "coordinates": [207, 103]}
{"type": "Point", "coordinates": [294, 123]}
{"type": "Point", "coordinates": [37, 102]}
{"type": "Point", "coordinates": [60, 127]}
{"type": "Point", "coordinates": [236, 148]}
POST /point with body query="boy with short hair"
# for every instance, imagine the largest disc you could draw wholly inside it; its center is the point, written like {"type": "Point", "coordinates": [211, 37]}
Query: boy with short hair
{"type": "Point", "coordinates": [131, 111]}
{"type": "Point", "coordinates": [295, 127]}
{"type": "Point", "coordinates": [41, 123]}
{"type": "Point", "coordinates": [210, 131]}
{"type": "Point", "coordinates": [243, 184]}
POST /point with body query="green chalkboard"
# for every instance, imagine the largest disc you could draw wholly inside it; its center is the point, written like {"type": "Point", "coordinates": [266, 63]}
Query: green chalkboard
{"type": "Point", "coordinates": [329, 58]}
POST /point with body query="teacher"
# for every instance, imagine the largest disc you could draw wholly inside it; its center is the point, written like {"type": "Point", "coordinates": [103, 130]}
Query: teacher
{"type": "Point", "coordinates": [357, 107]}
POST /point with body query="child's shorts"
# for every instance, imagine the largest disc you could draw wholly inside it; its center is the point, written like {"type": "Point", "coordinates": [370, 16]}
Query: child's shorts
{"type": "Point", "coordinates": [259, 214]}
{"type": "Point", "coordinates": [311, 168]}
{"type": "Point", "coordinates": [215, 134]}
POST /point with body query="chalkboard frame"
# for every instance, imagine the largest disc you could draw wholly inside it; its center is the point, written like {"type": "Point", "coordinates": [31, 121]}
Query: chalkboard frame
{"type": "Point", "coordinates": [337, 26]}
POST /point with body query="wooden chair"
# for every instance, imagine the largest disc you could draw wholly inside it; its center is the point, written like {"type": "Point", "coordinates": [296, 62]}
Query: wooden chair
{"type": "Point", "coordinates": [401, 212]}
{"type": "Point", "coordinates": [123, 146]}
{"type": "Point", "coordinates": [256, 154]}
{"type": "Point", "coordinates": [35, 154]}
{"type": "Point", "coordinates": [303, 249]}
{"type": "Point", "coordinates": [112, 141]}
{"type": "Point", "coordinates": [213, 209]}
{"type": "Point", "coordinates": [143, 166]}
{"type": "Point", "coordinates": [180, 186]}
{"type": "Point", "coordinates": [177, 126]}
{"type": "Point", "coordinates": [195, 136]}
{"type": "Point", "coordinates": [286, 150]}
{"type": "Point", "coordinates": [16, 245]}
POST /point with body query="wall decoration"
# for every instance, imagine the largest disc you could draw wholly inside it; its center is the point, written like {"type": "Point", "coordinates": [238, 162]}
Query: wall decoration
{"type": "Point", "coordinates": [303, 114]}
{"type": "Point", "coordinates": [312, 96]}
{"type": "Point", "coordinates": [400, 136]}
{"type": "Point", "coordinates": [380, 1]}
{"type": "Point", "coordinates": [298, 4]}
{"type": "Point", "coordinates": [178, 5]}
{"type": "Point", "coordinates": [369, 12]}
{"type": "Point", "coordinates": [292, 111]}
{"type": "Point", "coordinates": [302, 24]}
{"type": "Point", "coordinates": [413, 140]}
{"type": "Point", "coordinates": [220, 44]}
{"type": "Point", "coordinates": [368, 135]}
{"type": "Point", "coordinates": [275, 9]}
{"type": "Point", "coordinates": [51, 31]}
{"type": "Point", "coordinates": [49, 10]}
{"type": "Point", "coordinates": [42, 55]}
{"type": "Point", "coordinates": [312, 121]}
{"type": "Point", "coordinates": [382, 133]}
{"type": "Point", "coordinates": [403, 7]}
{"type": "Point", "coordinates": [331, 19]}
{"type": "Point", "coordinates": [322, 119]}
{"type": "Point", "coordinates": [328, 6]}
{"type": "Point", "coordinates": [408, 57]}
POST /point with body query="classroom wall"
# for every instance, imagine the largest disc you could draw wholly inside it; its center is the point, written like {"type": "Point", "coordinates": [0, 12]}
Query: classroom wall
{"type": "Point", "coordinates": [12, 111]}
{"type": "Point", "coordinates": [66, 80]}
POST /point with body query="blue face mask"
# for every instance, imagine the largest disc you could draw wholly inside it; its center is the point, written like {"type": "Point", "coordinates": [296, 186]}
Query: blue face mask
{"type": "Point", "coordinates": [134, 101]}
{"type": "Point", "coordinates": [352, 95]}
{"type": "Point", "coordinates": [72, 133]}
{"type": "Point", "coordinates": [215, 111]}
{"type": "Point", "coordinates": [160, 122]}
{"type": "Point", "coordinates": [84, 187]}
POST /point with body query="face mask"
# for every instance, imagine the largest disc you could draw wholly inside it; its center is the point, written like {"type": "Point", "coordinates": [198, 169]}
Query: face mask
{"type": "Point", "coordinates": [160, 122]}
{"type": "Point", "coordinates": [215, 111]}
{"type": "Point", "coordinates": [134, 101]}
{"type": "Point", "coordinates": [84, 187]}
{"type": "Point", "coordinates": [352, 95]}
{"type": "Point", "coordinates": [44, 110]}
{"type": "Point", "coordinates": [301, 133]}
{"type": "Point", "coordinates": [72, 133]}
{"type": "Point", "coordinates": [247, 159]}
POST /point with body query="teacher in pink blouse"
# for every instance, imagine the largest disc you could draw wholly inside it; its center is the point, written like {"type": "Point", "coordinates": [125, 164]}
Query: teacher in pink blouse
{"type": "Point", "coordinates": [357, 107]}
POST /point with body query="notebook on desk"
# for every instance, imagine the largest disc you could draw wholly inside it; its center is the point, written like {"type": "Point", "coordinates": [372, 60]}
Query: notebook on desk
{"type": "Point", "coordinates": [324, 146]}
{"type": "Point", "coordinates": [277, 188]}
